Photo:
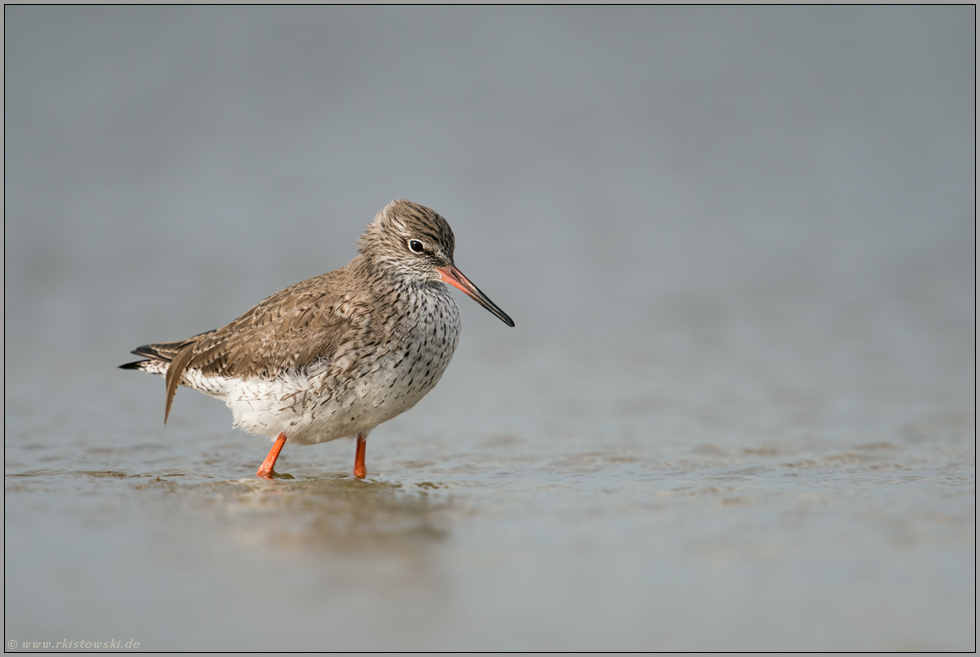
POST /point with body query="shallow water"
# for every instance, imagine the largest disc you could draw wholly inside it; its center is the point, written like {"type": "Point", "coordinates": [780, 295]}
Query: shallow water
{"type": "Point", "coordinates": [737, 411]}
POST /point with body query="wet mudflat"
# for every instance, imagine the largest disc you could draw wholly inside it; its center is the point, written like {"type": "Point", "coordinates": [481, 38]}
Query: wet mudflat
{"type": "Point", "coordinates": [674, 543]}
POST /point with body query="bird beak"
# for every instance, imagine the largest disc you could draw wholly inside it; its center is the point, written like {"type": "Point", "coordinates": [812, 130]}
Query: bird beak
{"type": "Point", "coordinates": [450, 274]}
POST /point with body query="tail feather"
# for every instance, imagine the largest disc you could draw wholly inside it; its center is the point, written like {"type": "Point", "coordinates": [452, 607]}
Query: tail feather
{"type": "Point", "coordinates": [161, 351]}
{"type": "Point", "coordinates": [168, 359]}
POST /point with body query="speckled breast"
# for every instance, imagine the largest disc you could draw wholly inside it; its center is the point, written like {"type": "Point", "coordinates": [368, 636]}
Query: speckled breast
{"type": "Point", "coordinates": [371, 383]}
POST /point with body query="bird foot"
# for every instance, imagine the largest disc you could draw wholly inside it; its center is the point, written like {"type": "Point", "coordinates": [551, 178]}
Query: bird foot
{"type": "Point", "coordinates": [272, 474]}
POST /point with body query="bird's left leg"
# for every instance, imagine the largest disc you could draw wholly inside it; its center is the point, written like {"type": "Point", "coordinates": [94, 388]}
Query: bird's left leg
{"type": "Point", "coordinates": [360, 470]}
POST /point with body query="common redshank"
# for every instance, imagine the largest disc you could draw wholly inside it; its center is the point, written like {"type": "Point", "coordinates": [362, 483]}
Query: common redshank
{"type": "Point", "coordinates": [338, 354]}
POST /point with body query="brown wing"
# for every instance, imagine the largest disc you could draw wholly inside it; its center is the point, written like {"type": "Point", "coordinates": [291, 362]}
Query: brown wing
{"type": "Point", "coordinates": [291, 330]}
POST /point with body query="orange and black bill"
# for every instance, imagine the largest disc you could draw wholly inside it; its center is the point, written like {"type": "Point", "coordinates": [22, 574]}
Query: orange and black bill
{"type": "Point", "coordinates": [453, 276]}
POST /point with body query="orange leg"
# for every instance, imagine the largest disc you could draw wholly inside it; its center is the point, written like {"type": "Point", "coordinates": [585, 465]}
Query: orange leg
{"type": "Point", "coordinates": [360, 470]}
{"type": "Point", "coordinates": [265, 470]}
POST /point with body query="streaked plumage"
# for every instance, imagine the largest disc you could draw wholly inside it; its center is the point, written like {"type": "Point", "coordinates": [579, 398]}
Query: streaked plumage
{"type": "Point", "coordinates": [336, 355]}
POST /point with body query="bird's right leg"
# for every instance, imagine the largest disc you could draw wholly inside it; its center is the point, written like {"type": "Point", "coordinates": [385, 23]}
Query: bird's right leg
{"type": "Point", "coordinates": [265, 470]}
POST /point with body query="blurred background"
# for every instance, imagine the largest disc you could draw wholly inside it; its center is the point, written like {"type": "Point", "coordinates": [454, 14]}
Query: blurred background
{"type": "Point", "coordinates": [738, 408]}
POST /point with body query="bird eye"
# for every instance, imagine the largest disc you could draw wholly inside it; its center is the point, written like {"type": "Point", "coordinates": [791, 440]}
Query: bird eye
{"type": "Point", "coordinates": [416, 246]}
